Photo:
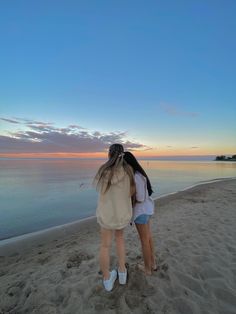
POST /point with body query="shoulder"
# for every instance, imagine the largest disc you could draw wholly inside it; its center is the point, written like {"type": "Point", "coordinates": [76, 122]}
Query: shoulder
{"type": "Point", "coordinates": [139, 178]}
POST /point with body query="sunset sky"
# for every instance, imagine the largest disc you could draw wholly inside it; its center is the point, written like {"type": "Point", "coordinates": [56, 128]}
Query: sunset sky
{"type": "Point", "coordinates": [157, 76]}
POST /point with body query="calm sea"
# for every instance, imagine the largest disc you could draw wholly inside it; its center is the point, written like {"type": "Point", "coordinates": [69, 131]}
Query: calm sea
{"type": "Point", "coordinates": [36, 194]}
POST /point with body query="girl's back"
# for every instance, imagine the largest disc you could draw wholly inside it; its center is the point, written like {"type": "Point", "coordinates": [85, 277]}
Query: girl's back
{"type": "Point", "coordinates": [114, 210]}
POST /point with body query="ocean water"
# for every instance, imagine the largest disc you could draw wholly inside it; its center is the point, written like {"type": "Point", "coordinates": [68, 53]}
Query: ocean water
{"type": "Point", "coordinates": [36, 194]}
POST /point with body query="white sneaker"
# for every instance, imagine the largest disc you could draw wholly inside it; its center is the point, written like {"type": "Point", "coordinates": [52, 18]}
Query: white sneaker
{"type": "Point", "coordinates": [109, 283]}
{"type": "Point", "coordinates": [122, 277]}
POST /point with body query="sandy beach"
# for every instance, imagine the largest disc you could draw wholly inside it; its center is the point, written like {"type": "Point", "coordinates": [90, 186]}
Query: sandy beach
{"type": "Point", "coordinates": [195, 240]}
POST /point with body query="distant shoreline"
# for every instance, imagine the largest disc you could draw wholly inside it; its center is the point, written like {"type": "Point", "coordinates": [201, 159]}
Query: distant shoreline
{"type": "Point", "coordinates": [228, 160]}
{"type": "Point", "coordinates": [225, 158]}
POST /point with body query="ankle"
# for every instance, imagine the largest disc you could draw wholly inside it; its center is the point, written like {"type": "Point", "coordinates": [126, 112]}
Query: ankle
{"type": "Point", "coordinates": [154, 262]}
{"type": "Point", "coordinates": [122, 269]}
{"type": "Point", "coordinates": [106, 275]}
{"type": "Point", "coordinates": [148, 272]}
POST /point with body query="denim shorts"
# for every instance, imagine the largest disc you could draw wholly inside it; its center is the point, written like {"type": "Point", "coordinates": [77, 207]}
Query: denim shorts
{"type": "Point", "coordinates": [142, 219]}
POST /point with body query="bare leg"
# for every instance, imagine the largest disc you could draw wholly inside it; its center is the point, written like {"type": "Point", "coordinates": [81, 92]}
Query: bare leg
{"type": "Point", "coordinates": [143, 231]}
{"type": "Point", "coordinates": [104, 257]}
{"type": "Point", "coordinates": [153, 258]}
{"type": "Point", "coordinates": [120, 248]}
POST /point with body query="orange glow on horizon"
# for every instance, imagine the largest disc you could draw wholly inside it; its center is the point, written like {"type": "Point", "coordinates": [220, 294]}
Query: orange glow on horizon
{"type": "Point", "coordinates": [53, 155]}
{"type": "Point", "coordinates": [161, 152]}
{"type": "Point", "coordinates": [102, 155]}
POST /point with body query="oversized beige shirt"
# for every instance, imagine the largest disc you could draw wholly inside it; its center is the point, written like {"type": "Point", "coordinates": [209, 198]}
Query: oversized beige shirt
{"type": "Point", "coordinates": [114, 210]}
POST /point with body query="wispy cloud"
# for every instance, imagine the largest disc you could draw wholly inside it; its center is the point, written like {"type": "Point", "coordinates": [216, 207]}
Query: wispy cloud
{"type": "Point", "coordinates": [9, 120]}
{"type": "Point", "coordinates": [32, 122]}
{"type": "Point", "coordinates": [194, 147]}
{"type": "Point", "coordinates": [176, 111]}
{"type": "Point", "coordinates": [75, 126]}
{"type": "Point", "coordinates": [44, 137]}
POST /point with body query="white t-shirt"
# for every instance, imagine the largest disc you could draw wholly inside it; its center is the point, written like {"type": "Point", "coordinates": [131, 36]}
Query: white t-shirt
{"type": "Point", "coordinates": [145, 204]}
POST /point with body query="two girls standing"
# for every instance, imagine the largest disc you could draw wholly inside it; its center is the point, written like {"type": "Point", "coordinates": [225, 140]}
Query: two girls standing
{"type": "Point", "coordinates": [119, 181]}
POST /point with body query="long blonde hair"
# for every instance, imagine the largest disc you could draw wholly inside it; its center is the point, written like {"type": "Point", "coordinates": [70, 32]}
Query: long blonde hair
{"type": "Point", "coordinates": [115, 161]}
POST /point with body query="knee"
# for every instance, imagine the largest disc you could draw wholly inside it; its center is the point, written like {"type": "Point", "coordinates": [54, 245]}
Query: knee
{"type": "Point", "coordinates": [105, 246]}
{"type": "Point", "coordinates": [119, 235]}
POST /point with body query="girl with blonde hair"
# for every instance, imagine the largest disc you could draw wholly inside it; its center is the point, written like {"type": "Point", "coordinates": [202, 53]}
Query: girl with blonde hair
{"type": "Point", "coordinates": [115, 184]}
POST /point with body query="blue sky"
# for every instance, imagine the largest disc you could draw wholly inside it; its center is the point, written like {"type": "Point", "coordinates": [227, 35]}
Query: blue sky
{"type": "Point", "coordinates": [163, 72]}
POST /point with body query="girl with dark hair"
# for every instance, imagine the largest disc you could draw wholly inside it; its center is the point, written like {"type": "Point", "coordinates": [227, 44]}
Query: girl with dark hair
{"type": "Point", "coordinates": [143, 208]}
{"type": "Point", "coordinates": [116, 186]}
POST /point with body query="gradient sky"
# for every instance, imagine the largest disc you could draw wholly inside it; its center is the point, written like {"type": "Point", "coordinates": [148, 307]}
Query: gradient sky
{"type": "Point", "coordinates": [158, 76]}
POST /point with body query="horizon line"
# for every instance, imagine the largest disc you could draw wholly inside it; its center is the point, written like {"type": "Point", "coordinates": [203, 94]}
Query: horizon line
{"type": "Point", "coordinates": [104, 157]}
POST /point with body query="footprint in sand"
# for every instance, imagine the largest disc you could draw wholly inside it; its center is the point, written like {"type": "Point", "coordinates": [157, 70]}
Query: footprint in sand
{"type": "Point", "coordinates": [43, 260]}
{"type": "Point", "coordinates": [77, 258]}
{"type": "Point", "coordinates": [191, 283]}
{"type": "Point", "coordinates": [15, 289]}
{"type": "Point", "coordinates": [162, 269]}
{"type": "Point", "coordinates": [207, 271]}
{"type": "Point", "coordinates": [184, 306]}
{"type": "Point", "coordinates": [59, 245]}
{"type": "Point", "coordinates": [131, 296]}
{"type": "Point", "coordinates": [226, 296]}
